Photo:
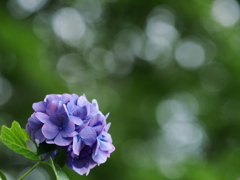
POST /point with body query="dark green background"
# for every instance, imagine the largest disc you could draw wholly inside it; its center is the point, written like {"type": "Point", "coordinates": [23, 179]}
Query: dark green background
{"type": "Point", "coordinates": [171, 119]}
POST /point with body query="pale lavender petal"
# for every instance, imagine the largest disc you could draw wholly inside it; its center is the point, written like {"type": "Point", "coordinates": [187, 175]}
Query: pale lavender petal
{"type": "Point", "coordinates": [106, 146]}
{"type": "Point", "coordinates": [50, 141]}
{"type": "Point", "coordinates": [66, 110]}
{"type": "Point", "coordinates": [106, 137]}
{"type": "Point", "coordinates": [93, 111]}
{"type": "Point", "coordinates": [110, 151]}
{"type": "Point", "coordinates": [61, 141]}
{"type": "Point", "coordinates": [82, 101]}
{"type": "Point", "coordinates": [88, 135]}
{"type": "Point", "coordinates": [95, 104]}
{"type": "Point", "coordinates": [106, 128]}
{"type": "Point", "coordinates": [98, 129]}
{"type": "Point", "coordinates": [41, 116]}
{"type": "Point", "coordinates": [50, 130]}
{"type": "Point", "coordinates": [76, 120]}
{"type": "Point", "coordinates": [39, 106]}
{"type": "Point", "coordinates": [97, 147]}
{"type": "Point", "coordinates": [107, 115]}
{"type": "Point", "coordinates": [71, 107]}
{"type": "Point", "coordinates": [75, 98]}
{"type": "Point", "coordinates": [100, 157]}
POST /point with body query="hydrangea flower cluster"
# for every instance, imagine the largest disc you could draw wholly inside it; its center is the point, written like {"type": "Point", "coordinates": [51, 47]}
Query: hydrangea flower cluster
{"type": "Point", "coordinates": [75, 124]}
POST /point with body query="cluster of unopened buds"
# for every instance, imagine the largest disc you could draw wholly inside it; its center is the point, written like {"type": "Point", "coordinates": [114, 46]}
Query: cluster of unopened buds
{"type": "Point", "coordinates": [74, 124]}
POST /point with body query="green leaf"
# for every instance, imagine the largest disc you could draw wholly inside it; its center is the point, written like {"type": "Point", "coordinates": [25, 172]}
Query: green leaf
{"type": "Point", "coordinates": [46, 148]}
{"type": "Point", "coordinates": [60, 175]}
{"type": "Point", "coordinates": [61, 158]}
{"type": "Point", "coordinates": [15, 138]}
{"type": "Point", "coordinates": [2, 176]}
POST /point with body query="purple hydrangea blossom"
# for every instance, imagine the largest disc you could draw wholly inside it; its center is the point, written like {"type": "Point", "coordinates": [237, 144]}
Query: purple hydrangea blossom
{"type": "Point", "coordinates": [74, 124]}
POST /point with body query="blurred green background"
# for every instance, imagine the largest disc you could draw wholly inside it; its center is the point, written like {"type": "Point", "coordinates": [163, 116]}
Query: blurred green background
{"type": "Point", "coordinates": [168, 71]}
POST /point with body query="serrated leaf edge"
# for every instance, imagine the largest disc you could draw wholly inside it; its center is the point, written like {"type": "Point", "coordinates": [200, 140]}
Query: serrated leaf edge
{"type": "Point", "coordinates": [6, 131]}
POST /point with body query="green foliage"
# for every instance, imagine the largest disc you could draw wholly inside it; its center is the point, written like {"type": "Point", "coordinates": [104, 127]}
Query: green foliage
{"type": "Point", "coordinates": [15, 138]}
{"type": "Point", "coordinates": [60, 175]}
{"type": "Point", "coordinates": [2, 176]}
{"type": "Point", "coordinates": [45, 148]}
{"type": "Point", "coordinates": [61, 158]}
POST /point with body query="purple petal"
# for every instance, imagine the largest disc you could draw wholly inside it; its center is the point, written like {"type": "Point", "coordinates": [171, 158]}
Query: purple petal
{"type": "Point", "coordinates": [50, 130]}
{"type": "Point", "coordinates": [34, 122]}
{"type": "Point", "coordinates": [97, 120]}
{"type": "Point", "coordinates": [52, 107]}
{"type": "Point", "coordinates": [77, 145]}
{"type": "Point", "coordinates": [41, 116]}
{"type": "Point", "coordinates": [81, 112]}
{"type": "Point", "coordinates": [58, 120]}
{"type": "Point", "coordinates": [39, 138]}
{"type": "Point", "coordinates": [74, 133]}
{"type": "Point", "coordinates": [69, 127]}
{"type": "Point", "coordinates": [28, 128]}
{"type": "Point", "coordinates": [81, 171]}
{"type": "Point", "coordinates": [66, 97]}
{"type": "Point", "coordinates": [88, 135]}
{"type": "Point", "coordinates": [61, 141]}
{"type": "Point", "coordinates": [52, 97]}
{"type": "Point", "coordinates": [39, 106]}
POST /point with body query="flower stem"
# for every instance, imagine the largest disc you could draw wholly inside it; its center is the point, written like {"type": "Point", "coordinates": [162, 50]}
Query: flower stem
{"type": "Point", "coordinates": [30, 170]}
